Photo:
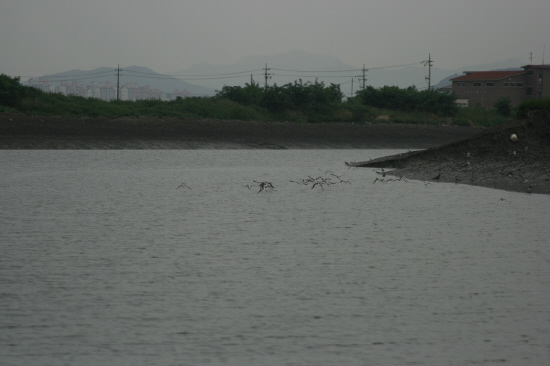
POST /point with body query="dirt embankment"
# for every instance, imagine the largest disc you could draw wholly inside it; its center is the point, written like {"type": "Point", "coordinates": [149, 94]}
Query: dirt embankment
{"type": "Point", "coordinates": [483, 157]}
{"type": "Point", "coordinates": [490, 159]}
{"type": "Point", "coordinates": [19, 131]}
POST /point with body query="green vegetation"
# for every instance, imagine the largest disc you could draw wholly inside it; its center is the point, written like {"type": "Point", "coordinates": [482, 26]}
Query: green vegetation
{"type": "Point", "coordinates": [504, 106]}
{"type": "Point", "coordinates": [297, 102]}
{"type": "Point", "coordinates": [410, 100]}
{"type": "Point", "coordinates": [532, 105]}
{"type": "Point", "coordinates": [12, 93]}
{"type": "Point", "coordinates": [302, 102]}
{"type": "Point", "coordinates": [480, 117]}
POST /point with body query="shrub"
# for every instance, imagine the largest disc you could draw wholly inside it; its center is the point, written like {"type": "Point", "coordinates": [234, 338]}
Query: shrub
{"type": "Point", "coordinates": [504, 106]}
{"type": "Point", "coordinates": [12, 92]}
{"type": "Point", "coordinates": [532, 105]}
{"type": "Point", "coordinates": [409, 99]}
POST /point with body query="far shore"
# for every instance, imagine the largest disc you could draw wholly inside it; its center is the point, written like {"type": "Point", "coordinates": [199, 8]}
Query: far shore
{"type": "Point", "coordinates": [453, 154]}
{"type": "Point", "coordinates": [20, 131]}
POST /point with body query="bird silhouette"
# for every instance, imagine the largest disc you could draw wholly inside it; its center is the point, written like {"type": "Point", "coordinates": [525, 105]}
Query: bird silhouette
{"type": "Point", "coordinates": [183, 185]}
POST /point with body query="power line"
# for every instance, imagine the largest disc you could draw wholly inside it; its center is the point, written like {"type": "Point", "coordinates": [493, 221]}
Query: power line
{"type": "Point", "coordinates": [198, 77]}
{"type": "Point", "coordinates": [364, 78]}
{"type": "Point", "coordinates": [266, 75]}
{"type": "Point", "coordinates": [428, 63]}
{"type": "Point", "coordinates": [394, 66]}
{"type": "Point", "coordinates": [118, 82]}
{"type": "Point", "coordinates": [167, 77]}
{"type": "Point", "coordinates": [195, 75]}
{"type": "Point", "coordinates": [315, 71]}
{"type": "Point", "coordinates": [314, 76]}
{"type": "Point", "coordinates": [350, 70]}
{"type": "Point", "coordinates": [75, 77]}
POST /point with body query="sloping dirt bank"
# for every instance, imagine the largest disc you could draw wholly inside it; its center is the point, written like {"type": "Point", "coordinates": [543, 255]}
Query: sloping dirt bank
{"type": "Point", "coordinates": [20, 131]}
{"type": "Point", "coordinates": [490, 159]}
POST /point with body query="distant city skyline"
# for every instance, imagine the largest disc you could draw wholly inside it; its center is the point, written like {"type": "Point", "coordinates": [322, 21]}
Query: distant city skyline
{"type": "Point", "coordinates": [45, 37]}
{"type": "Point", "coordinates": [283, 68]}
{"type": "Point", "coordinates": [107, 90]}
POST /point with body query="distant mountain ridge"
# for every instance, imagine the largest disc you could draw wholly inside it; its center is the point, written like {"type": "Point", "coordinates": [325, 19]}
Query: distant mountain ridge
{"type": "Point", "coordinates": [205, 79]}
{"type": "Point", "coordinates": [287, 67]}
{"type": "Point", "coordinates": [128, 75]}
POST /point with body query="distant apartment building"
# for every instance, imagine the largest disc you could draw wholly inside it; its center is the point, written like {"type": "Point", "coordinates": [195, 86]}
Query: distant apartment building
{"type": "Point", "coordinates": [107, 91]}
{"type": "Point", "coordinates": [485, 88]}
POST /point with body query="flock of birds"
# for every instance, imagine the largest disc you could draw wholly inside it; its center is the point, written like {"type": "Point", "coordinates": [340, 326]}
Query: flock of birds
{"type": "Point", "coordinates": [328, 179]}
{"type": "Point", "coordinates": [386, 180]}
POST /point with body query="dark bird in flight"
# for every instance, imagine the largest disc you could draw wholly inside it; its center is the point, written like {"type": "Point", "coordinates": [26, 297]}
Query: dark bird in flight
{"type": "Point", "coordinates": [183, 185]}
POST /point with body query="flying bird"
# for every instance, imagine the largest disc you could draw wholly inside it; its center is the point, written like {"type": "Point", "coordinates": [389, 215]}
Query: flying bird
{"type": "Point", "coordinates": [183, 185]}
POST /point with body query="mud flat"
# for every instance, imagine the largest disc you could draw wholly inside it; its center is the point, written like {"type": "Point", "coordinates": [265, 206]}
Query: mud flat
{"type": "Point", "coordinates": [490, 159]}
{"type": "Point", "coordinates": [20, 131]}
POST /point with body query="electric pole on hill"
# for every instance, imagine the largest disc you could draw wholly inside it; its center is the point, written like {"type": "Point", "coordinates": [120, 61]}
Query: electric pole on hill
{"type": "Point", "coordinates": [118, 82]}
{"type": "Point", "coordinates": [429, 64]}
{"type": "Point", "coordinates": [363, 78]}
{"type": "Point", "coordinates": [266, 75]}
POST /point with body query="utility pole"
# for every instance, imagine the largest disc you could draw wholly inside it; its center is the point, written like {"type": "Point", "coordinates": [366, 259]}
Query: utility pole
{"type": "Point", "coordinates": [530, 58]}
{"type": "Point", "coordinates": [118, 82]}
{"type": "Point", "coordinates": [429, 64]}
{"type": "Point", "coordinates": [266, 75]}
{"type": "Point", "coordinates": [363, 78]}
{"type": "Point", "coordinates": [351, 95]}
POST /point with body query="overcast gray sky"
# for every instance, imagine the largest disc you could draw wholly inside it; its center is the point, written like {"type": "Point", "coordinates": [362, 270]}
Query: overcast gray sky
{"type": "Point", "coordinates": [40, 37]}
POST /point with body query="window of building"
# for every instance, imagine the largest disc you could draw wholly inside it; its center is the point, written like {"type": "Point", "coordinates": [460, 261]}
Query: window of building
{"type": "Point", "coordinates": [489, 84]}
{"type": "Point", "coordinates": [519, 84]}
{"type": "Point", "coordinates": [529, 91]}
{"type": "Point", "coordinates": [530, 72]}
{"type": "Point", "coordinates": [461, 84]}
{"type": "Point", "coordinates": [505, 84]}
{"type": "Point", "coordinates": [512, 84]}
{"type": "Point", "coordinates": [477, 84]}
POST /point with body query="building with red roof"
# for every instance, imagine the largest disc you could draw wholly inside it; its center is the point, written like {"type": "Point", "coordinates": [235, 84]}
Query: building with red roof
{"type": "Point", "coordinates": [485, 88]}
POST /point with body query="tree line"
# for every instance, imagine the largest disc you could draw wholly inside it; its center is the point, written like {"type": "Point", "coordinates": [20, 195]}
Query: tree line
{"type": "Point", "coordinates": [298, 101]}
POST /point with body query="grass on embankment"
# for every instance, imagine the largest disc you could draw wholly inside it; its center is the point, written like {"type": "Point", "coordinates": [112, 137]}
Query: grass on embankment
{"type": "Point", "coordinates": [219, 108]}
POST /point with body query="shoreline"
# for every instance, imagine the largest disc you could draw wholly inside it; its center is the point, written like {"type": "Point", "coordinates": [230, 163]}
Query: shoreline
{"type": "Point", "coordinates": [451, 154]}
{"type": "Point", "coordinates": [20, 131]}
{"type": "Point", "coordinates": [490, 159]}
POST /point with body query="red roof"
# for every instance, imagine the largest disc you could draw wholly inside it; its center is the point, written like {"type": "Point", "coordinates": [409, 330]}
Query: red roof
{"type": "Point", "coordinates": [487, 75]}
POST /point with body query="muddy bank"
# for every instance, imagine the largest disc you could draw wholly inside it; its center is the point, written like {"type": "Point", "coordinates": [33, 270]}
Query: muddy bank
{"type": "Point", "coordinates": [19, 131]}
{"type": "Point", "coordinates": [490, 159]}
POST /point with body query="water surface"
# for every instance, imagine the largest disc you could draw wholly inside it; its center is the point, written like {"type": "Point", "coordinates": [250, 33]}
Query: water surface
{"type": "Point", "coordinates": [105, 262]}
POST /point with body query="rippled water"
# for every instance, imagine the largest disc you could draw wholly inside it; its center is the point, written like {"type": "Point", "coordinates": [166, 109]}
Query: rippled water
{"type": "Point", "coordinates": [104, 262]}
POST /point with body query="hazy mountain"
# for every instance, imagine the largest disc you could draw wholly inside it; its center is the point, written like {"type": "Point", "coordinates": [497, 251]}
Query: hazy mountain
{"type": "Point", "coordinates": [204, 79]}
{"type": "Point", "coordinates": [294, 65]}
{"type": "Point", "coordinates": [133, 74]}
{"type": "Point", "coordinates": [282, 69]}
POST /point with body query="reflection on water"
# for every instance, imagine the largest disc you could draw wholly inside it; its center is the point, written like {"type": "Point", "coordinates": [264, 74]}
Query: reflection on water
{"type": "Point", "coordinates": [105, 262]}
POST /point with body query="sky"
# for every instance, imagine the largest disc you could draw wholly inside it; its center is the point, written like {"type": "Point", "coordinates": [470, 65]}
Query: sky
{"type": "Point", "coordinates": [39, 37]}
